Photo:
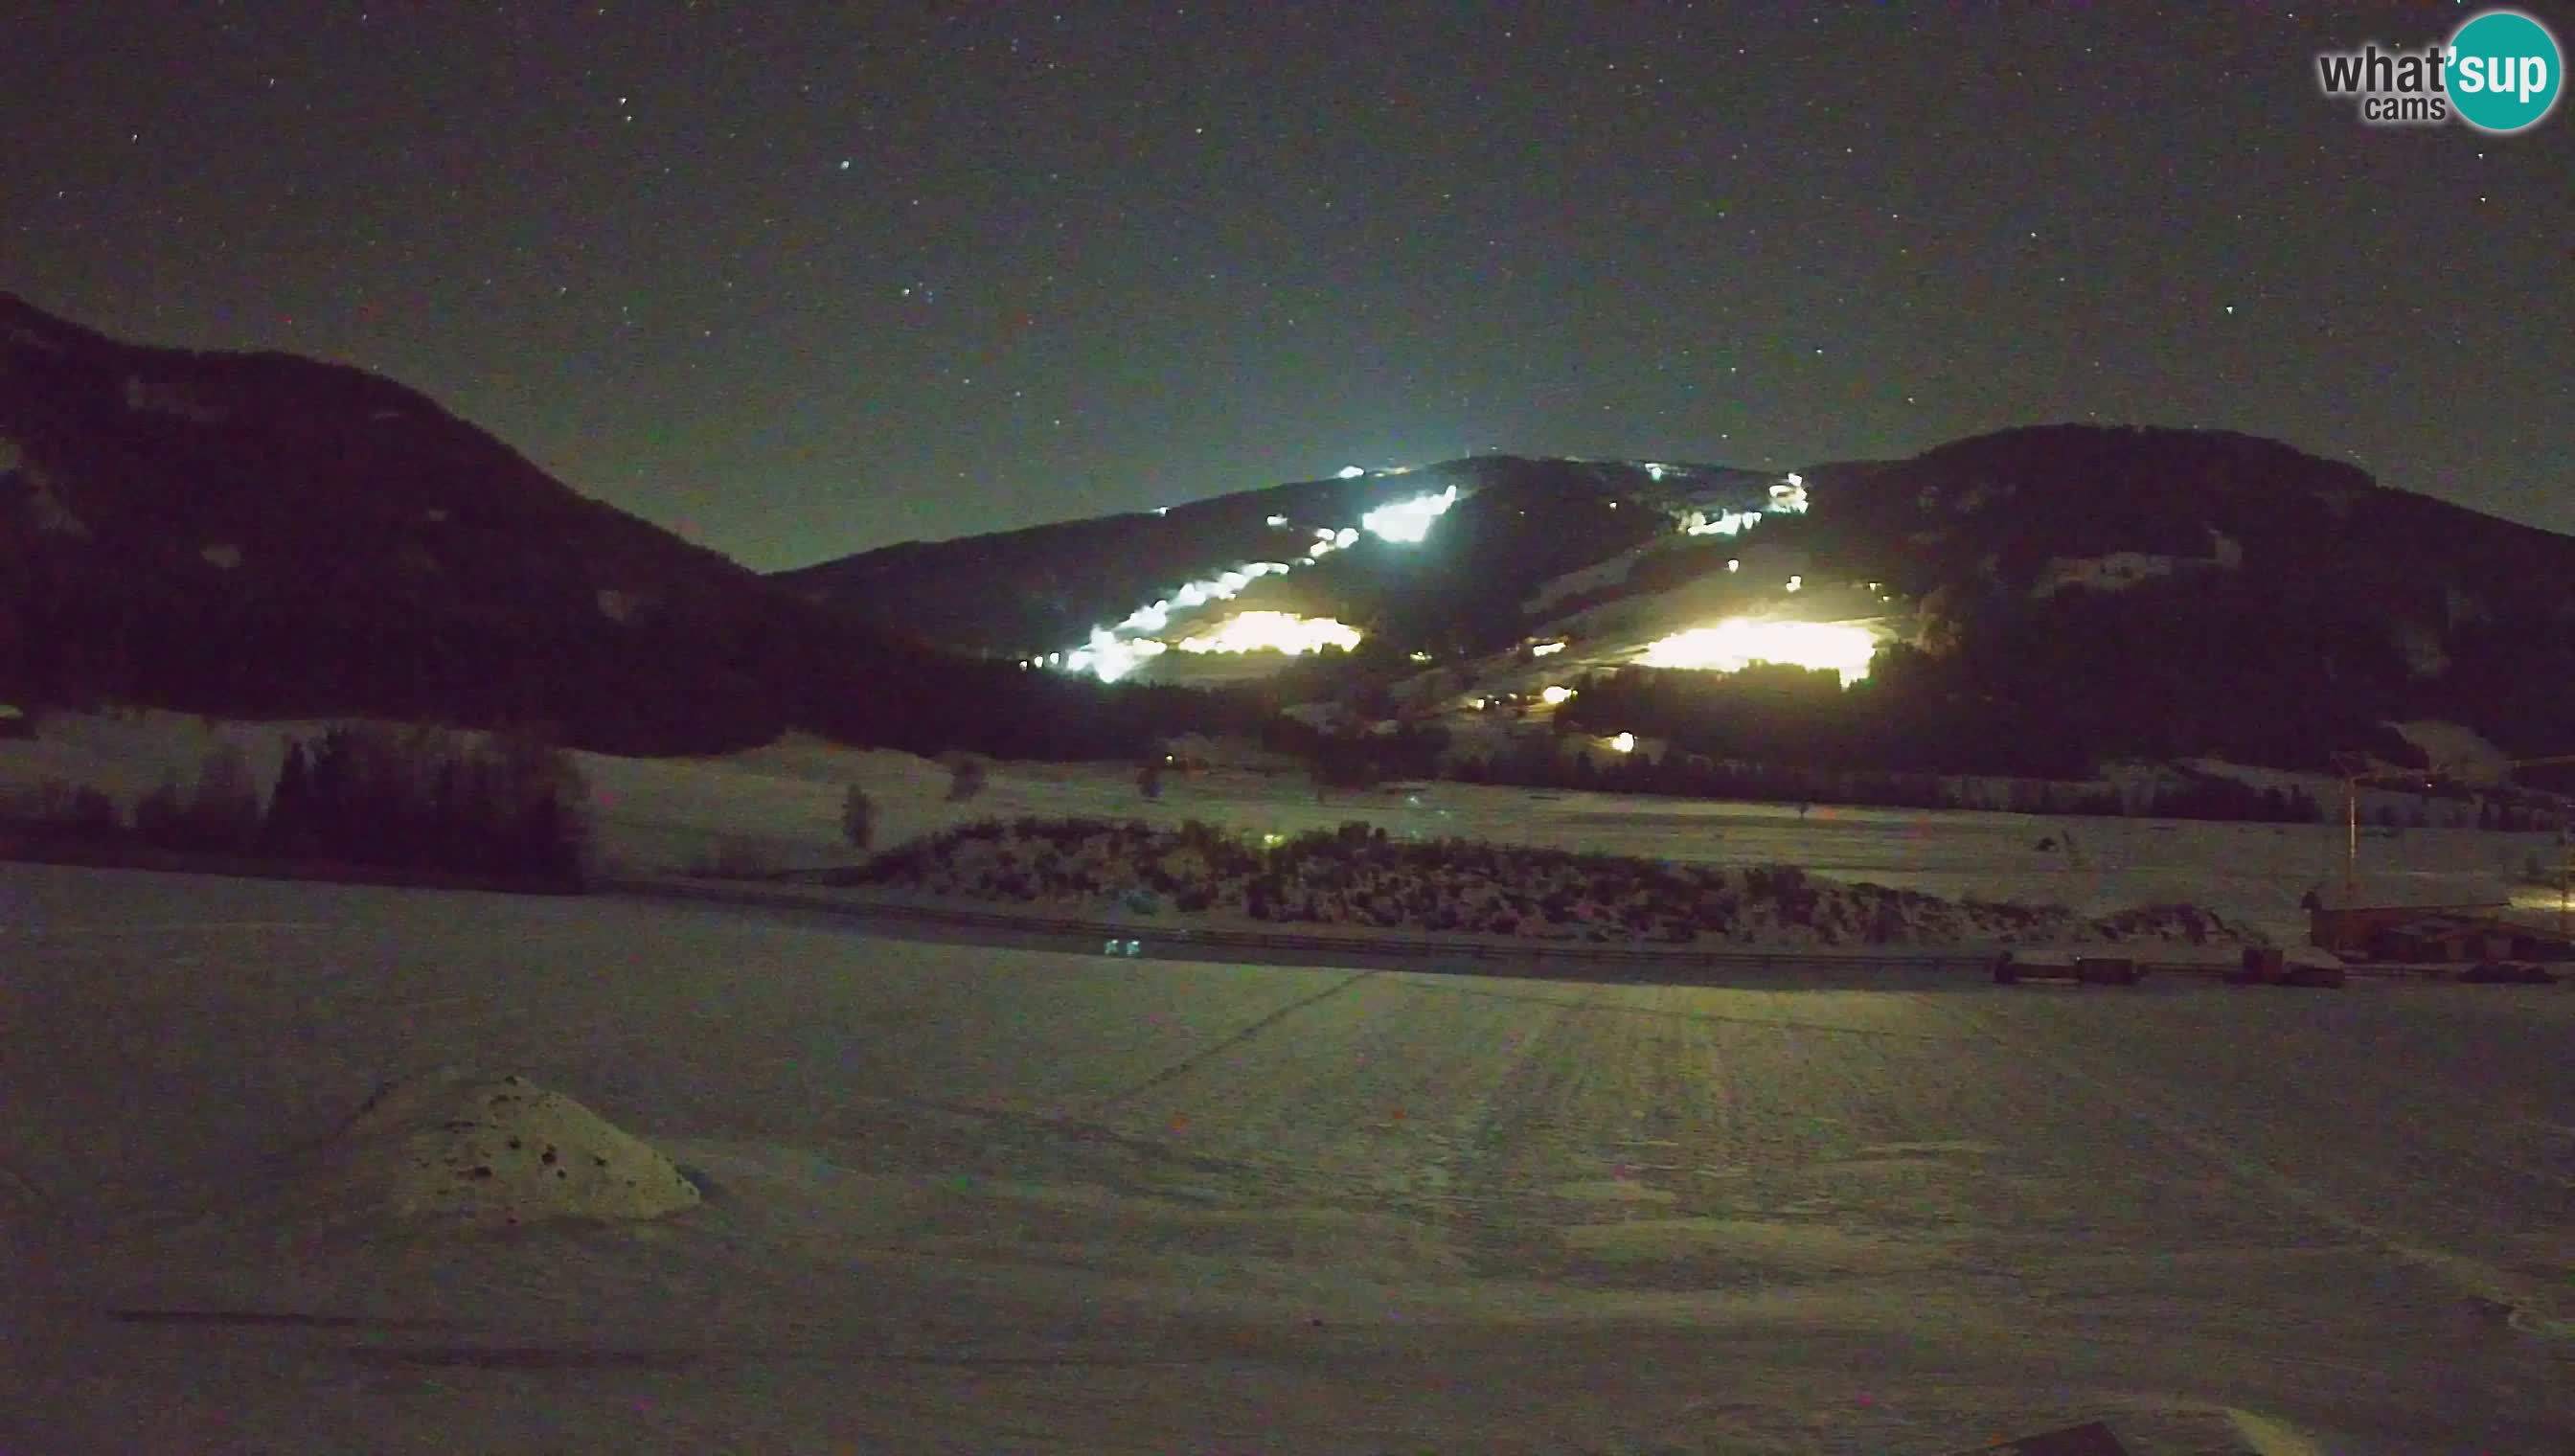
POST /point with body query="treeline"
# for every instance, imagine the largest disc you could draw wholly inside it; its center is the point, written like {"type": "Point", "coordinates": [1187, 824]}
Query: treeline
{"type": "Point", "coordinates": [659, 682]}
{"type": "Point", "coordinates": [1918, 714]}
{"type": "Point", "coordinates": [508, 808]}
{"type": "Point", "coordinates": [1683, 775]}
{"type": "Point", "coordinates": [1357, 760]}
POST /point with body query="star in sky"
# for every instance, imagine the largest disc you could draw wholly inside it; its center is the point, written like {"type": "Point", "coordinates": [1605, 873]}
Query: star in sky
{"type": "Point", "coordinates": [1066, 268]}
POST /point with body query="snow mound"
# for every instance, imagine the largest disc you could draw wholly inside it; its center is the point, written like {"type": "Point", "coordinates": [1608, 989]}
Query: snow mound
{"type": "Point", "coordinates": [454, 1147]}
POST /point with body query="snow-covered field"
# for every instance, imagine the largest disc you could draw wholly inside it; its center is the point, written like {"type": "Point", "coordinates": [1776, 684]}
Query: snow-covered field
{"type": "Point", "coordinates": [970, 1199]}
{"type": "Point", "coordinates": [784, 801]}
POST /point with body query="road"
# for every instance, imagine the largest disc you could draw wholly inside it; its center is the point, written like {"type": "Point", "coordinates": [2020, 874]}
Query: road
{"type": "Point", "coordinates": [978, 1198]}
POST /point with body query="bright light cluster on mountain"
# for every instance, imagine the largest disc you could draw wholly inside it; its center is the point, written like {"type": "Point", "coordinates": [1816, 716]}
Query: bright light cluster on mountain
{"type": "Point", "coordinates": [1111, 658]}
{"type": "Point", "coordinates": [1273, 632]}
{"type": "Point", "coordinates": [1788, 498]}
{"type": "Point", "coordinates": [1723, 523]}
{"type": "Point", "coordinates": [1407, 522]}
{"type": "Point", "coordinates": [1328, 540]}
{"type": "Point", "coordinates": [1223, 587]}
{"type": "Point", "coordinates": [1737, 643]}
{"type": "Point", "coordinates": [1114, 652]}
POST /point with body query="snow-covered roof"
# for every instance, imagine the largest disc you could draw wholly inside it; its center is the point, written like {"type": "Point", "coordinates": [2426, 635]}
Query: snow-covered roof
{"type": "Point", "coordinates": [2400, 892]}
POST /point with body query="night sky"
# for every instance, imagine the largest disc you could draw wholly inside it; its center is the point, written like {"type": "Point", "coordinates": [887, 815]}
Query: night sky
{"type": "Point", "coordinates": [802, 279]}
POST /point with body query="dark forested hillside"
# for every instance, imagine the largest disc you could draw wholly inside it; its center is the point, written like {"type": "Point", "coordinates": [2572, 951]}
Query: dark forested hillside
{"type": "Point", "coordinates": [265, 535]}
{"type": "Point", "coordinates": [261, 534]}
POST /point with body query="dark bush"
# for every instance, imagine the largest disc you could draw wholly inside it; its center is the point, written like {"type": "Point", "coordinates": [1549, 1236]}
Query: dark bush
{"type": "Point", "coordinates": [56, 807]}
{"type": "Point", "coordinates": [857, 817]}
{"type": "Point", "coordinates": [158, 815]}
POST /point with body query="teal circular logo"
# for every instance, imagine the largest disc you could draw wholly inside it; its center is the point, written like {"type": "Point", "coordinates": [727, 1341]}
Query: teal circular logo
{"type": "Point", "coordinates": [2504, 71]}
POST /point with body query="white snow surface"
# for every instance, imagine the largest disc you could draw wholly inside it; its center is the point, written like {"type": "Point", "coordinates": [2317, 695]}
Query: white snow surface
{"type": "Point", "coordinates": [44, 508]}
{"type": "Point", "coordinates": [2115, 572]}
{"type": "Point", "coordinates": [2421, 647]}
{"type": "Point", "coordinates": [2120, 570]}
{"type": "Point", "coordinates": [2461, 753]}
{"type": "Point", "coordinates": [163, 397]}
{"type": "Point", "coordinates": [1610, 572]}
{"type": "Point", "coordinates": [963, 1198]}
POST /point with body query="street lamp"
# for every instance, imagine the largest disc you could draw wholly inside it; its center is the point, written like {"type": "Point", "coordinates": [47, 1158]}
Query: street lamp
{"type": "Point", "coordinates": [2353, 775]}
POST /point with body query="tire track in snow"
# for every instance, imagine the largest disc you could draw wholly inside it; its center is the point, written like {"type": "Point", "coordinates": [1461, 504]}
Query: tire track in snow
{"type": "Point", "coordinates": [1503, 1149]}
{"type": "Point", "coordinates": [162, 927]}
{"type": "Point", "coordinates": [2530, 1309]}
{"type": "Point", "coordinates": [1203, 1054]}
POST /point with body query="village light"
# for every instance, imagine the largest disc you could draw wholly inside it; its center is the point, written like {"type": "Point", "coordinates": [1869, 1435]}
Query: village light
{"type": "Point", "coordinates": [1555, 694]}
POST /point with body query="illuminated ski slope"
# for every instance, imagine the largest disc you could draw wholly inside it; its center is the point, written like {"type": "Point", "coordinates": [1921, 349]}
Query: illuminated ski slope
{"type": "Point", "coordinates": [1737, 643]}
{"type": "Point", "coordinates": [1111, 653]}
{"type": "Point", "coordinates": [1114, 652]}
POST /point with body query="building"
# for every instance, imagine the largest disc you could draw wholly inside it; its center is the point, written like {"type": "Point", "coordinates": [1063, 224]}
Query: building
{"type": "Point", "coordinates": [2443, 939]}
{"type": "Point", "coordinates": [2378, 913]}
